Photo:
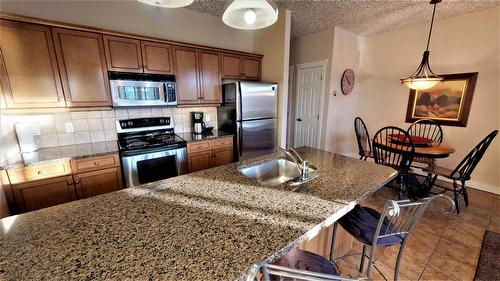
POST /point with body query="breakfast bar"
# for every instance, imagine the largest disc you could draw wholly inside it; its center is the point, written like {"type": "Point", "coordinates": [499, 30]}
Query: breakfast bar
{"type": "Point", "coordinates": [209, 225]}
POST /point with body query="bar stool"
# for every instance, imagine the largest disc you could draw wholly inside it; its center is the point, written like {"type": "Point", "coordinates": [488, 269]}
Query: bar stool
{"type": "Point", "coordinates": [363, 139]}
{"type": "Point", "coordinates": [390, 228]}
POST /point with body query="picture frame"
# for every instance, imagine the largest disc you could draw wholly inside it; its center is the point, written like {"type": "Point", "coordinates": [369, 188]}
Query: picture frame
{"type": "Point", "coordinates": [448, 103]}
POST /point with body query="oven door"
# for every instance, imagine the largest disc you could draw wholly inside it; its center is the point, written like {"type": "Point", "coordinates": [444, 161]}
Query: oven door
{"type": "Point", "coordinates": [154, 166]}
{"type": "Point", "coordinates": [137, 93]}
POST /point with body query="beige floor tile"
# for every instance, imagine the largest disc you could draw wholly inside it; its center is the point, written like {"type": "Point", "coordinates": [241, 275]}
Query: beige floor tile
{"type": "Point", "coordinates": [458, 260]}
{"type": "Point", "coordinates": [436, 274]}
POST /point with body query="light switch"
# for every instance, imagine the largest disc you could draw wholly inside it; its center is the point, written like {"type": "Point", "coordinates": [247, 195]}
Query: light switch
{"type": "Point", "coordinates": [69, 127]}
{"type": "Point", "coordinates": [35, 130]}
{"type": "Point", "coordinates": [207, 118]}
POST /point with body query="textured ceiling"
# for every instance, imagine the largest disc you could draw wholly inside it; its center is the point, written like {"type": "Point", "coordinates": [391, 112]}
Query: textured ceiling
{"type": "Point", "coordinates": [364, 17]}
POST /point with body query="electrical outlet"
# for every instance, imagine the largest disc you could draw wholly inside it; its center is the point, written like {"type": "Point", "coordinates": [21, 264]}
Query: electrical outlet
{"type": "Point", "coordinates": [69, 127]}
{"type": "Point", "coordinates": [207, 117]}
{"type": "Point", "coordinates": [35, 130]}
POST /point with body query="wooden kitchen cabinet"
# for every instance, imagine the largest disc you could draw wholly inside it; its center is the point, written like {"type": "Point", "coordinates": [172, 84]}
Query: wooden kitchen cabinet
{"type": "Point", "coordinates": [186, 70]}
{"type": "Point", "coordinates": [198, 76]}
{"type": "Point", "coordinates": [82, 65]}
{"type": "Point", "coordinates": [123, 54]}
{"type": "Point", "coordinates": [97, 175]}
{"type": "Point", "coordinates": [36, 195]}
{"type": "Point", "coordinates": [251, 68]}
{"type": "Point", "coordinates": [231, 66]}
{"type": "Point", "coordinates": [210, 77]}
{"type": "Point", "coordinates": [211, 153]}
{"type": "Point", "coordinates": [157, 57]}
{"type": "Point", "coordinates": [240, 67]}
{"type": "Point", "coordinates": [98, 182]}
{"type": "Point", "coordinates": [29, 74]}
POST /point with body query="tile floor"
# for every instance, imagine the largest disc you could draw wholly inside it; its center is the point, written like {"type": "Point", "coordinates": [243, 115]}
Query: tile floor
{"type": "Point", "coordinates": [442, 247]}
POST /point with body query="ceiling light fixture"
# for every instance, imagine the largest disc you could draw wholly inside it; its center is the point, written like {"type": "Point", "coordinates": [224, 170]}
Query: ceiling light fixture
{"type": "Point", "coordinates": [168, 3]}
{"type": "Point", "coordinates": [250, 14]}
{"type": "Point", "coordinates": [423, 77]}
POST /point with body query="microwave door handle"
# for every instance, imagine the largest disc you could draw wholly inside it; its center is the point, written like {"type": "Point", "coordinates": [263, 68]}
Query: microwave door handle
{"type": "Point", "coordinates": [163, 92]}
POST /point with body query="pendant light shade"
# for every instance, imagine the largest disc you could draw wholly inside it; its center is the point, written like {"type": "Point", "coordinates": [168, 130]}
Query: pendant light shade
{"type": "Point", "coordinates": [168, 3]}
{"type": "Point", "coordinates": [423, 78]}
{"type": "Point", "coordinates": [250, 14]}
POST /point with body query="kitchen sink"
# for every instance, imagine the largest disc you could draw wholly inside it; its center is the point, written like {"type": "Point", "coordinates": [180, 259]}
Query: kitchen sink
{"type": "Point", "coordinates": [277, 171]}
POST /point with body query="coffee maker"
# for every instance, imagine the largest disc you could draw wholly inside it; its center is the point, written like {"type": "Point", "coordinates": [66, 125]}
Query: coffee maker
{"type": "Point", "coordinates": [198, 124]}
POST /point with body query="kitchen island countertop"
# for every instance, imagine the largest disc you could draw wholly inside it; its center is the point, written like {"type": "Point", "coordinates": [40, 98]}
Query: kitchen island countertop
{"type": "Point", "coordinates": [209, 225]}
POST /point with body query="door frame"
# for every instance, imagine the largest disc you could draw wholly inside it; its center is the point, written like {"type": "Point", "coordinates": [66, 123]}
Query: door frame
{"type": "Point", "coordinates": [301, 66]}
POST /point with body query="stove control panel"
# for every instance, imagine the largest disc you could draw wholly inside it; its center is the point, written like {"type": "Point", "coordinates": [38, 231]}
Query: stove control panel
{"type": "Point", "coordinates": [144, 124]}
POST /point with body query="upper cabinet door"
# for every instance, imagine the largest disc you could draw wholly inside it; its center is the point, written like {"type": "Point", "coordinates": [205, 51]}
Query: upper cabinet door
{"type": "Point", "coordinates": [28, 67]}
{"type": "Point", "coordinates": [231, 66]}
{"type": "Point", "coordinates": [251, 68]}
{"type": "Point", "coordinates": [210, 77]}
{"type": "Point", "coordinates": [82, 65]}
{"type": "Point", "coordinates": [186, 69]}
{"type": "Point", "coordinates": [123, 54]}
{"type": "Point", "coordinates": [157, 57]}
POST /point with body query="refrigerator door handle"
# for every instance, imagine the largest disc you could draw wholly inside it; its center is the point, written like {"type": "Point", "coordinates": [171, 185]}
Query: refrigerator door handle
{"type": "Point", "coordinates": [239, 139]}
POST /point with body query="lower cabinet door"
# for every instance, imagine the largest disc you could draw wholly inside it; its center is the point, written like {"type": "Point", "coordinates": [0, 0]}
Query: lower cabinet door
{"type": "Point", "coordinates": [199, 161]}
{"type": "Point", "coordinates": [222, 157]}
{"type": "Point", "coordinates": [45, 193]}
{"type": "Point", "coordinates": [98, 182]}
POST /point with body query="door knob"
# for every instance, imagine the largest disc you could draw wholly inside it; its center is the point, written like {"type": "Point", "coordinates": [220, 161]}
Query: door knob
{"type": "Point", "coordinates": [299, 119]}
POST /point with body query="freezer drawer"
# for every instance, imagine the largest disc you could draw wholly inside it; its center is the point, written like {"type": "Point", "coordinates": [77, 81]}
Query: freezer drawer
{"type": "Point", "coordinates": [257, 100]}
{"type": "Point", "coordinates": [256, 138]}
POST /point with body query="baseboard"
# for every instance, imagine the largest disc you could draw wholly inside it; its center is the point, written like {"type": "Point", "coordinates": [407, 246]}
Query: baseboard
{"type": "Point", "coordinates": [472, 184]}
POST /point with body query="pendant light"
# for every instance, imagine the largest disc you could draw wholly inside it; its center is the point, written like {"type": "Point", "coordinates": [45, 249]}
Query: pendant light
{"type": "Point", "coordinates": [423, 77]}
{"type": "Point", "coordinates": [168, 3]}
{"type": "Point", "coordinates": [250, 14]}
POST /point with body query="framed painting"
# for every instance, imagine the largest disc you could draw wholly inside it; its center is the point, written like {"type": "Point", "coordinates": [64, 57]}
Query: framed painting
{"type": "Point", "coordinates": [447, 103]}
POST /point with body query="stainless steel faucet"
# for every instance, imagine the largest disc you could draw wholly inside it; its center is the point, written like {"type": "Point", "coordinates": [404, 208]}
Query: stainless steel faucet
{"type": "Point", "coordinates": [302, 165]}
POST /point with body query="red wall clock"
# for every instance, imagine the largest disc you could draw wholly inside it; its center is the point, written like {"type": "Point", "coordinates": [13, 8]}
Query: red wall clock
{"type": "Point", "coordinates": [347, 82]}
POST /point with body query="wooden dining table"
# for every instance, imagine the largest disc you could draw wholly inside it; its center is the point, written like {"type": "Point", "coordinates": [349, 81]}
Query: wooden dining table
{"type": "Point", "coordinates": [432, 151]}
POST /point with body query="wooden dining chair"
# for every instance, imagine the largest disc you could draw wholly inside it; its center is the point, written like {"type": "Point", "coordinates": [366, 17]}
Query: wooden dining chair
{"type": "Point", "coordinates": [462, 173]}
{"type": "Point", "coordinates": [393, 147]}
{"type": "Point", "coordinates": [429, 129]}
{"type": "Point", "coordinates": [363, 139]}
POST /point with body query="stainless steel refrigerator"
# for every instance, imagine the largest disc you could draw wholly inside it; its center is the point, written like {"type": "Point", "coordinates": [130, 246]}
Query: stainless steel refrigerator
{"type": "Point", "coordinates": [249, 111]}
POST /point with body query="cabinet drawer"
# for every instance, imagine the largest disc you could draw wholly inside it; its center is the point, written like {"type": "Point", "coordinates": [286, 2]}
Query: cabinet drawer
{"type": "Point", "coordinates": [198, 146]}
{"type": "Point", "coordinates": [222, 143]}
{"type": "Point", "coordinates": [39, 172]}
{"type": "Point", "coordinates": [95, 163]}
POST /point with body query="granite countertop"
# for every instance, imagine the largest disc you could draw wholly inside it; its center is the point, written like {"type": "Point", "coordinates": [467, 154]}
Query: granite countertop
{"type": "Point", "coordinates": [209, 225]}
{"type": "Point", "coordinates": [215, 134]}
{"type": "Point", "coordinates": [60, 153]}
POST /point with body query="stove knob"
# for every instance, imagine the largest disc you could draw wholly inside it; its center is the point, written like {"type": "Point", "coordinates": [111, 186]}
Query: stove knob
{"type": "Point", "coordinates": [124, 124]}
{"type": "Point", "coordinates": [130, 123]}
{"type": "Point", "coordinates": [162, 121]}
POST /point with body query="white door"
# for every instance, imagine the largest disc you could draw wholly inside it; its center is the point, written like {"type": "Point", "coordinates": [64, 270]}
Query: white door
{"type": "Point", "coordinates": [308, 106]}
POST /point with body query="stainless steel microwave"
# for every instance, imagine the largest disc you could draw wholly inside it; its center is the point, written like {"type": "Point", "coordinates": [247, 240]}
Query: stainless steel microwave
{"type": "Point", "coordinates": [137, 89]}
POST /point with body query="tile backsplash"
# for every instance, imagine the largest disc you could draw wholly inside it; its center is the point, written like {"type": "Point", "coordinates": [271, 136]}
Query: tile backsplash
{"type": "Point", "coordinates": [89, 126]}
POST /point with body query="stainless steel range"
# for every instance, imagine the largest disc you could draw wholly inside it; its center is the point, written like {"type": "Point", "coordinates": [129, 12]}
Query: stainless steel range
{"type": "Point", "coordinates": [150, 150]}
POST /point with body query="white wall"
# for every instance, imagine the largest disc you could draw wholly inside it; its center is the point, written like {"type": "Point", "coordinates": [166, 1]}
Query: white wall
{"type": "Point", "coordinates": [134, 17]}
{"type": "Point", "coordinates": [466, 43]}
{"type": "Point", "coordinates": [274, 43]}
{"type": "Point", "coordinates": [339, 136]}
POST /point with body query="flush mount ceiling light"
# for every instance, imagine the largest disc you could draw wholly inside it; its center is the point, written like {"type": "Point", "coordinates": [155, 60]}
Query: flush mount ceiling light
{"type": "Point", "coordinates": [423, 77]}
{"type": "Point", "coordinates": [250, 14]}
{"type": "Point", "coordinates": [168, 3]}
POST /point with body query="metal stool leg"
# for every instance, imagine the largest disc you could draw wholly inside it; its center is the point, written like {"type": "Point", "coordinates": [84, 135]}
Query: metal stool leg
{"type": "Point", "coordinates": [398, 260]}
{"type": "Point", "coordinates": [334, 240]}
{"type": "Point", "coordinates": [362, 263]}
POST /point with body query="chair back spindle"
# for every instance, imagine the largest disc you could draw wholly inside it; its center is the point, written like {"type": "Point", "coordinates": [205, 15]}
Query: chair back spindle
{"type": "Point", "coordinates": [362, 137]}
{"type": "Point", "coordinates": [465, 168]}
{"type": "Point", "coordinates": [397, 154]}
{"type": "Point", "coordinates": [427, 128]}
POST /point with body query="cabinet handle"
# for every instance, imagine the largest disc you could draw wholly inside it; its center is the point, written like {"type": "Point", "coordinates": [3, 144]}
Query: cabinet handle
{"type": "Point", "coordinates": [40, 172]}
{"type": "Point", "coordinates": [97, 163]}
{"type": "Point", "coordinates": [70, 182]}
{"type": "Point", "coordinates": [60, 99]}
{"type": "Point", "coordinates": [145, 66]}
